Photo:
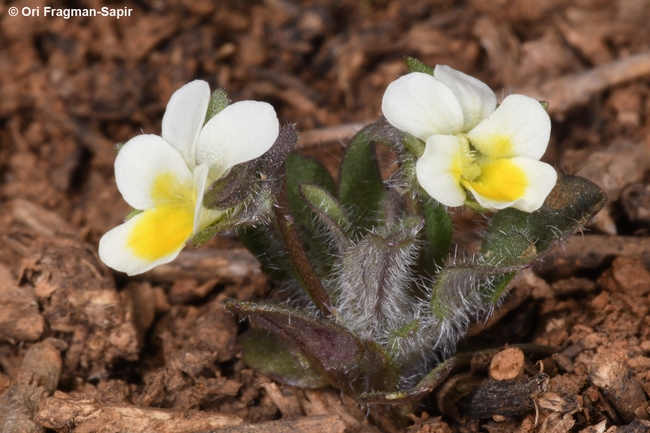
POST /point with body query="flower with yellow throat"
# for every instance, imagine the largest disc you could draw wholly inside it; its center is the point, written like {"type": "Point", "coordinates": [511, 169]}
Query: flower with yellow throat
{"type": "Point", "coordinates": [165, 176]}
{"type": "Point", "coordinates": [470, 143]}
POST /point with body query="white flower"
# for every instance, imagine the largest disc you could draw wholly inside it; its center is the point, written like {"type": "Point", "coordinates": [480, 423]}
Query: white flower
{"type": "Point", "coordinates": [166, 176]}
{"type": "Point", "coordinates": [470, 143]}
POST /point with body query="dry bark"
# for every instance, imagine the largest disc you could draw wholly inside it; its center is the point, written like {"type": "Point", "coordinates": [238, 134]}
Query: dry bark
{"type": "Point", "coordinates": [88, 416]}
{"type": "Point", "coordinates": [37, 379]}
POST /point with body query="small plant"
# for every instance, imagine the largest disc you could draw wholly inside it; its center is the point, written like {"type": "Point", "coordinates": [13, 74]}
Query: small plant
{"type": "Point", "coordinates": [374, 298]}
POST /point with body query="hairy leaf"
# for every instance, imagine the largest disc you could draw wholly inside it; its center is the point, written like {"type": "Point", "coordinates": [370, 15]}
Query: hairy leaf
{"type": "Point", "coordinates": [330, 213]}
{"type": "Point", "coordinates": [361, 188]}
{"type": "Point", "coordinates": [333, 352]}
{"type": "Point", "coordinates": [438, 229]}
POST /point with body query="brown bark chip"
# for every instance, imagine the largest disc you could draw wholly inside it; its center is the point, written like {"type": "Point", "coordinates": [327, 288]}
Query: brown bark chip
{"type": "Point", "coordinates": [507, 365]}
{"type": "Point", "coordinates": [609, 372]}
{"type": "Point", "coordinates": [20, 319]}
{"type": "Point", "coordinates": [89, 416]}
{"type": "Point", "coordinates": [626, 275]}
{"type": "Point", "coordinates": [37, 379]}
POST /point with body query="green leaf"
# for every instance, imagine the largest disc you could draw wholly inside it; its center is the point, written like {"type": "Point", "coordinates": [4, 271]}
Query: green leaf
{"type": "Point", "coordinates": [330, 213]}
{"type": "Point", "coordinates": [301, 170]}
{"type": "Point", "coordinates": [415, 65]}
{"type": "Point", "coordinates": [514, 240]}
{"type": "Point", "coordinates": [573, 202]}
{"type": "Point", "coordinates": [218, 101]}
{"type": "Point", "coordinates": [361, 188]}
{"type": "Point", "coordinates": [411, 396]}
{"type": "Point", "coordinates": [265, 244]}
{"type": "Point", "coordinates": [266, 353]}
{"type": "Point", "coordinates": [331, 351]}
{"type": "Point", "coordinates": [438, 229]}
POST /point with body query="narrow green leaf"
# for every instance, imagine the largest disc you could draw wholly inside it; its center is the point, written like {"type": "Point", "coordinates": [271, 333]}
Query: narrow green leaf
{"type": "Point", "coordinates": [330, 213]}
{"type": "Point", "coordinates": [438, 229]}
{"type": "Point", "coordinates": [361, 188]}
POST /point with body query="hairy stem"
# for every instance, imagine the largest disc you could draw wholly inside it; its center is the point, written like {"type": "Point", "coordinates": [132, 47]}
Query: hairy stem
{"type": "Point", "coordinates": [298, 256]}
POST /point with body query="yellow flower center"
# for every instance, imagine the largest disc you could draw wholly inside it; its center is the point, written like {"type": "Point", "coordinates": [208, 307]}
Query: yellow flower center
{"type": "Point", "coordinates": [165, 228]}
{"type": "Point", "coordinates": [499, 180]}
{"type": "Point", "coordinates": [464, 165]}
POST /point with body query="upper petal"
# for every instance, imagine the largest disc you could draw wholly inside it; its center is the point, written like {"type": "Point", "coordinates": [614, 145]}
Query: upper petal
{"type": "Point", "coordinates": [139, 166]}
{"type": "Point", "coordinates": [184, 118]}
{"type": "Point", "coordinates": [440, 167]}
{"type": "Point", "coordinates": [521, 183]}
{"type": "Point", "coordinates": [476, 99]}
{"type": "Point", "coordinates": [240, 132]}
{"type": "Point", "coordinates": [422, 105]}
{"type": "Point", "coordinates": [519, 127]}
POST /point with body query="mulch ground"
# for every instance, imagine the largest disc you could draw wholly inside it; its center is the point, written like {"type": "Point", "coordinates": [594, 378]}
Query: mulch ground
{"type": "Point", "coordinates": [85, 350]}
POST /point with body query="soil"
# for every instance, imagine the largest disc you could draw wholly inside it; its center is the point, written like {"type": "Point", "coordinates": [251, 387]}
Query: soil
{"type": "Point", "coordinates": [83, 349]}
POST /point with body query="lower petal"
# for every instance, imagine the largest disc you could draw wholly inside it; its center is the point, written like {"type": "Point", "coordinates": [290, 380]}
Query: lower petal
{"type": "Point", "coordinates": [440, 167]}
{"type": "Point", "coordinates": [521, 183]}
{"type": "Point", "coordinates": [149, 239]}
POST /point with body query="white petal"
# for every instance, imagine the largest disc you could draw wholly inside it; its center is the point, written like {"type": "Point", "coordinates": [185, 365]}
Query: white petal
{"type": "Point", "coordinates": [541, 179]}
{"type": "Point", "coordinates": [140, 161]}
{"type": "Point", "coordinates": [476, 99]}
{"type": "Point", "coordinates": [200, 182]}
{"type": "Point", "coordinates": [422, 105]}
{"type": "Point", "coordinates": [184, 118]}
{"type": "Point", "coordinates": [519, 127]}
{"type": "Point", "coordinates": [241, 132]}
{"type": "Point", "coordinates": [439, 168]}
{"type": "Point", "coordinates": [114, 251]}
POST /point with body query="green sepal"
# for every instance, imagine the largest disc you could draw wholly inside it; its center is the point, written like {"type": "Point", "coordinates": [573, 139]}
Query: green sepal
{"type": "Point", "coordinates": [415, 65]}
{"type": "Point", "coordinates": [266, 353]}
{"type": "Point", "coordinates": [414, 145]}
{"type": "Point", "coordinates": [118, 146]}
{"type": "Point", "coordinates": [132, 213]}
{"type": "Point", "coordinates": [218, 101]}
{"type": "Point", "coordinates": [544, 105]}
{"type": "Point", "coordinates": [272, 163]}
{"type": "Point", "coordinates": [361, 188]}
{"type": "Point", "coordinates": [438, 229]}
{"type": "Point", "coordinates": [252, 212]}
{"type": "Point", "coordinates": [232, 189]}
